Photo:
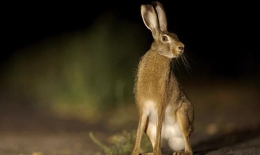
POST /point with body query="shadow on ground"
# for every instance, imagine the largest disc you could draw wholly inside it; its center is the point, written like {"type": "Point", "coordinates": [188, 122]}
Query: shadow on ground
{"type": "Point", "coordinates": [220, 141]}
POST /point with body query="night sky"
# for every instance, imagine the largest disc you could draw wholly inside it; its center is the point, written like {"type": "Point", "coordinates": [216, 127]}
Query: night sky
{"type": "Point", "coordinates": [221, 35]}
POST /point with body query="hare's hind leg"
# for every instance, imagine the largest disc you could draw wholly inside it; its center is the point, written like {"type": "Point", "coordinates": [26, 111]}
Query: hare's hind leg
{"type": "Point", "coordinates": [185, 121]}
{"type": "Point", "coordinates": [140, 130]}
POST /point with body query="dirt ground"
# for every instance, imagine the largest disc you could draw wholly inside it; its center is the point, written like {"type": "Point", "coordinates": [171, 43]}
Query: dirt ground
{"type": "Point", "coordinates": [227, 121]}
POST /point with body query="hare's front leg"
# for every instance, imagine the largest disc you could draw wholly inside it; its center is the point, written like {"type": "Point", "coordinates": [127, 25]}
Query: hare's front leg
{"type": "Point", "coordinates": [154, 128]}
{"type": "Point", "coordinates": [157, 145]}
{"type": "Point", "coordinates": [185, 121]}
{"type": "Point", "coordinates": [140, 130]}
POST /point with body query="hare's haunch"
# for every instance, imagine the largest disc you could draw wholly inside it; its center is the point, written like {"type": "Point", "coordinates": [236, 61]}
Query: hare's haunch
{"type": "Point", "coordinates": [165, 113]}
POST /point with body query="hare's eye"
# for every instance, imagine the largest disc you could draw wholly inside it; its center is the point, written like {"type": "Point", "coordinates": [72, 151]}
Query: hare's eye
{"type": "Point", "coordinates": [164, 38]}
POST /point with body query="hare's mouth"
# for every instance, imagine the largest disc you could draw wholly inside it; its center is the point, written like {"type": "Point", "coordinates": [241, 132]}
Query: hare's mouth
{"type": "Point", "coordinates": [177, 53]}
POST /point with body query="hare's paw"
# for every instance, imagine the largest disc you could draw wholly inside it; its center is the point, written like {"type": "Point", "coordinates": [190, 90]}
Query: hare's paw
{"type": "Point", "coordinates": [136, 153]}
{"type": "Point", "coordinates": [182, 153]}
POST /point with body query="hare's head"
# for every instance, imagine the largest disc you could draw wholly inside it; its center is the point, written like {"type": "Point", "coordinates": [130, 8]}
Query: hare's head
{"type": "Point", "coordinates": [165, 43]}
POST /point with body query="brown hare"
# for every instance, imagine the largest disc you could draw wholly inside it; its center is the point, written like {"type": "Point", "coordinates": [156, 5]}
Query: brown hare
{"type": "Point", "coordinates": [165, 113]}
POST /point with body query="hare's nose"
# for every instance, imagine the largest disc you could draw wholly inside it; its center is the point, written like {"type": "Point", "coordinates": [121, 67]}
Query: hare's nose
{"type": "Point", "coordinates": [181, 48]}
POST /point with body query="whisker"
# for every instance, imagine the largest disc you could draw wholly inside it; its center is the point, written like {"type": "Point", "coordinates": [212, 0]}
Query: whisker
{"type": "Point", "coordinates": [186, 64]}
{"type": "Point", "coordinates": [187, 56]}
{"type": "Point", "coordinates": [175, 64]}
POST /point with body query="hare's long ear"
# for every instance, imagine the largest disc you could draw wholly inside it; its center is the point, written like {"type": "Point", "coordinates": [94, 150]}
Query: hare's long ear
{"type": "Point", "coordinates": [150, 18]}
{"type": "Point", "coordinates": [161, 15]}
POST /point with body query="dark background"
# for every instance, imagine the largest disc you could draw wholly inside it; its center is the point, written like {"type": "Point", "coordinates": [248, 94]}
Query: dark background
{"type": "Point", "coordinates": [223, 36]}
{"type": "Point", "coordinates": [57, 75]}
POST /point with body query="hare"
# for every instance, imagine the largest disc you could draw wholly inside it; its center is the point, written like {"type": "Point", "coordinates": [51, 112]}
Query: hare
{"type": "Point", "coordinates": [166, 115]}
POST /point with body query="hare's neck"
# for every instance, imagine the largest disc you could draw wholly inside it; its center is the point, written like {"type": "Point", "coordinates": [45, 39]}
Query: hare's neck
{"type": "Point", "coordinates": [155, 78]}
{"type": "Point", "coordinates": [155, 69]}
{"type": "Point", "coordinates": [160, 62]}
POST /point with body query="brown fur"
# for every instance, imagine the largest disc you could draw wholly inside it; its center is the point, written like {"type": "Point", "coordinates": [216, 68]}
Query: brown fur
{"type": "Point", "coordinates": [156, 82]}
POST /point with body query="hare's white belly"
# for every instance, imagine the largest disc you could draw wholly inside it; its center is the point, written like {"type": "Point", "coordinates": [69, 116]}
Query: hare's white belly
{"type": "Point", "coordinates": [171, 136]}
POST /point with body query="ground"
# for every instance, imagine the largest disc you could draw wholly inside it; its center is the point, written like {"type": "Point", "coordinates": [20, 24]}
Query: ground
{"type": "Point", "coordinates": [227, 121]}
